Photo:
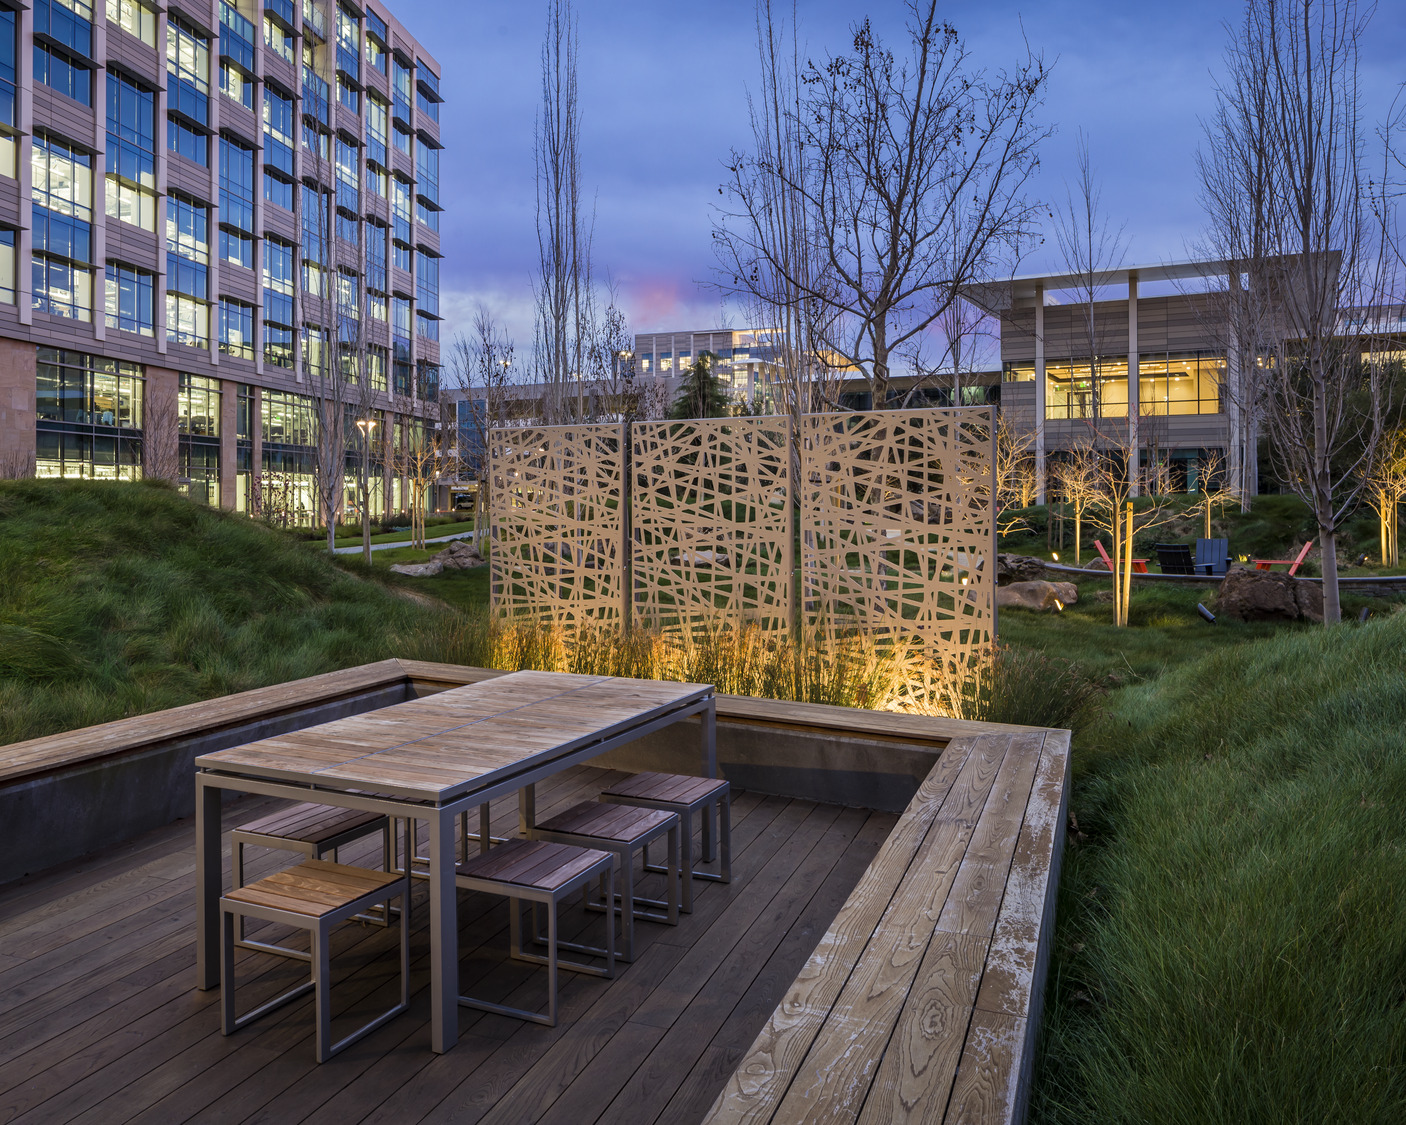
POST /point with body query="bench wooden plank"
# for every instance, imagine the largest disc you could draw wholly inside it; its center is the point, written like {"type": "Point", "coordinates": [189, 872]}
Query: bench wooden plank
{"type": "Point", "coordinates": [765, 1072]}
{"type": "Point", "coordinates": [834, 1079]}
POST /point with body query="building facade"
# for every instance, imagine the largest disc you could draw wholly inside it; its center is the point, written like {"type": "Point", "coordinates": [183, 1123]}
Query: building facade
{"type": "Point", "coordinates": [219, 244]}
{"type": "Point", "coordinates": [744, 363]}
{"type": "Point", "coordinates": [1145, 372]}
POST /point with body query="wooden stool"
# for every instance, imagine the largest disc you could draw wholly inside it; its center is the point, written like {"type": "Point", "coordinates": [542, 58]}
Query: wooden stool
{"type": "Point", "coordinates": [679, 793]}
{"type": "Point", "coordinates": [314, 896]}
{"type": "Point", "coordinates": [540, 872]}
{"type": "Point", "coordinates": [623, 831]}
{"type": "Point", "coordinates": [312, 830]}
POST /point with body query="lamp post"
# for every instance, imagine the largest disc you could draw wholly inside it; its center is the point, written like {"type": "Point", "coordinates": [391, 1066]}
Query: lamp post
{"type": "Point", "coordinates": [367, 426]}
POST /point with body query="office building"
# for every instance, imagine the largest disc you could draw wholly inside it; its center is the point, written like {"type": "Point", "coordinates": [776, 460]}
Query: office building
{"type": "Point", "coordinates": [219, 243]}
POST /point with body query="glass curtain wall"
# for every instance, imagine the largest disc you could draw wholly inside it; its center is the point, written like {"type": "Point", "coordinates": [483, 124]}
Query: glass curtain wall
{"type": "Point", "coordinates": [199, 406]}
{"type": "Point", "coordinates": [289, 462]}
{"type": "Point", "coordinates": [89, 416]}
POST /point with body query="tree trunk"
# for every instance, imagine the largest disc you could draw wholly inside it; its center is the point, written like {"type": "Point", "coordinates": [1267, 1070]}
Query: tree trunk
{"type": "Point", "coordinates": [1332, 601]}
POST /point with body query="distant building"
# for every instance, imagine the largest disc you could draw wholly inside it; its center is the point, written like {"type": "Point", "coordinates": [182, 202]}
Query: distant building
{"type": "Point", "coordinates": [162, 173]}
{"type": "Point", "coordinates": [745, 361]}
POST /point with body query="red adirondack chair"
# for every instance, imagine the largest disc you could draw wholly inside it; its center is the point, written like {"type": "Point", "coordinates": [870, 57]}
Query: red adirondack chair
{"type": "Point", "coordinates": [1292, 564]}
{"type": "Point", "coordinates": [1139, 565]}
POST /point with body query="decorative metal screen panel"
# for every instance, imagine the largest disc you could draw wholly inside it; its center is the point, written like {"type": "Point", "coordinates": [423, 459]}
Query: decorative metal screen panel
{"type": "Point", "coordinates": [710, 510]}
{"type": "Point", "coordinates": [898, 538]}
{"type": "Point", "coordinates": [558, 512]}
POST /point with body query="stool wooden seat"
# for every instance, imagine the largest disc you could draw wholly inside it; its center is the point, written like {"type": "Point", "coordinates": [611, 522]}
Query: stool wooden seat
{"type": "Point", "coordinates": [313, 896]}
{"type": "Point", "coordinates": [685, 795]}
{"type": "Point", "coordinates": [538, 871]}
{"type": "Point", "coordinates": [312, 830]}
{"type": "Point", "coordinates": [624, 831]}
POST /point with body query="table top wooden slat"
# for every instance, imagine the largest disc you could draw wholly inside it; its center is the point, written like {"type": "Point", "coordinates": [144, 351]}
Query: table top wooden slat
{"type": "Point", "coordinates": [439, 747]}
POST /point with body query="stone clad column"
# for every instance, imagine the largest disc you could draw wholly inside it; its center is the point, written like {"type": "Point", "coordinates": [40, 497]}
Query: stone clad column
{"type": "Point", "coordinates": [1040, 492]}
{"type": "Point", "coordinates": [229, 457]}
{"type": "Point", "coordinates": [161, 425]}
{"type": "Point", "coordinates": [1134, 455]}
{"type": "Point", "coordinates": [18, 362]}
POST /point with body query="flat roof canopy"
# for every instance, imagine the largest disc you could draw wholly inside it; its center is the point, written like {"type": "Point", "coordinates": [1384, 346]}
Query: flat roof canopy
{"type": "Point", "coordinates": [1020, 291]}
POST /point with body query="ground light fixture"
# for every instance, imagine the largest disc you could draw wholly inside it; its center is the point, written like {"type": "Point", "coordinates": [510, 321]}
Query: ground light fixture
{"type": "Point", "coordinates": [1205, 613]}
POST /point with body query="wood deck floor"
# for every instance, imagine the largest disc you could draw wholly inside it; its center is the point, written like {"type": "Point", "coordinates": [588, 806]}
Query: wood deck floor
{"type": "Point", "coordinates": [100, 1022]}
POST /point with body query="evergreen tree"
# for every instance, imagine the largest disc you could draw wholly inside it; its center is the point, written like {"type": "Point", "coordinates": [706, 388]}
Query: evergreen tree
{"type": "Point", "coordinates": [701, 395]}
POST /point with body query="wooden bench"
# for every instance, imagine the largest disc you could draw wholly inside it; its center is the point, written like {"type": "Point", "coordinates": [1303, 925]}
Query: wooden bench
{"type": "Point", "coordinates": [922, 1001]}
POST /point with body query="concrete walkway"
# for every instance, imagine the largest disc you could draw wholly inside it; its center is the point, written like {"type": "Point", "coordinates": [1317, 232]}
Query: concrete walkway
{"type": "Point", "coordinates": [402, 543]}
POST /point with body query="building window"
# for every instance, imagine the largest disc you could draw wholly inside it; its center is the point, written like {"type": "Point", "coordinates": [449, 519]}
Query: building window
{"type": "Point", "coordinates": [348, 43]}
{"type": "Point", "coordinates": [236, 184]}
{"type": "Point", "coordinates": [376, 257]}
{"type": "Point", "coordinates": [401, 136]}
{"type": "Point", "coordinates": [9, 106]}
{"type": "Point", "coordinates": [61, 74]}
{"type": "Point", "coordinates": [187, 272]}
{"type": "Point", "coordinates": [185, 141]}
{"type": "Point", "coordinates": [427, 284]}
{"type": "Point", "coordinates": [377, 36]}
{"type": "Point", "coordinates": [1186, 383]}
{"type": "Point", "coordinates": [427, 97]}
{"type": "Point", "coordinates": [199, 406]}
{"type": "Point", "coordinates": [62, 229]}
{"type": "Point", "coordinates": [90, 416]}
{"type": "Point", "coordinates": [401, 91]}
{"type": "Point", "coordinates": [317, 95]}
{"type": "Point", "coordinates": [188, 92]}
{"type": "Point", "coordinates": [376, 369]}
{"type": "Point", "coordinates": [348, 179]}
{"type": "Point", "coordinates": [236, 328]}
{"type": "Point", "coordinates": [236, 85]}
{"type": "Point", "coordinates": [135, 17]}
{"type": "Point", "coordinates": [236, 249]}
{"type": "Point", "coordinates": [199, 469]}
{"type": "Point", "coordinates": [7, 267]}
{"type": "Point", "coordinates": [129, 299]}
{"type": "Point", "coordinates": [427, 174]}
{"type": "Point", "coordinates": [400, 219]}
{"type": "Point", "coordinates": [348, 95]}
{"type": "Point", "coordinates": [314, 351]}
{"type": "Point", "coordinates": [426, 327]}
{"type": "Point", "coordinates": [277, 190]}
{"type": "Point", "coordinates": [400, 328]}
{"type": "Point", "coordinates": [278, 131]}
{"type": "Point", "coordinates": [131, 152]}
{"type": "Point", "coordinates": [377, 126]}
{"type": "Point", "coordinates": [288, 419]}
{"type": "Point", "coordinates": [278, 302]}
{"type": "Point", "coordinates": [236, 37]}
{"type": "Point", "coordinates": [279, 40]}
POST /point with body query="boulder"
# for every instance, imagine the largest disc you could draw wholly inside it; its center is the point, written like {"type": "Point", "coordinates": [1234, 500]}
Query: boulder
{"type": "Point", "coordinates": [1095, 564]}
{"type": "Point", "coordinates": [1066, 592]}
{"type": "Point", "coordinates": [459, 555]}
{"type": "Point", "coordinates": [1018, 568]}
{"type": "Point", "coordinates": [1268, 595]}
{"type": "Point", "coordinates": [419, 570]}
{"type": "Point", "coordinates": [1039, 596]}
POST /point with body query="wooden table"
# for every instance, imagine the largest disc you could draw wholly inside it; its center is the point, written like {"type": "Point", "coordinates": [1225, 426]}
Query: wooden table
{"type": "Point", "coordinates": [431, 759]}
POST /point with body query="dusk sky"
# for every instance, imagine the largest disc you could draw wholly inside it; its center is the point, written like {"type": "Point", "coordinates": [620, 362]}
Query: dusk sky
{"type": "Point", "coordinates": [663, 98]}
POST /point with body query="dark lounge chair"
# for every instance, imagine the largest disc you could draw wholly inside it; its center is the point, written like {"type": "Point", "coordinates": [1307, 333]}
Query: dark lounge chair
{"type": "Point", "coordinates": [1212, 556]}
{"type": "Point", "coordinates": [1175, 558]}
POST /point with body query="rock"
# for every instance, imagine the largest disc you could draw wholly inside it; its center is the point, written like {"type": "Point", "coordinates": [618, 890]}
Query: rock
{"type": "Point", "coordinates": [1066, 592]}
{"type": "Point", "coordinates": [419, 570]}
{"type": "Point", "coordinates": [459, 555]}
{"type": "Point", "coordinates": [699, 558]}
{"type": "Point", "coordinates": [1038, 596]}
{"type": "Point", "coordinates": [1018, 568]}
{"type": "Point", "coordinates": [1095, 564]}
{"type": "Point", "coordinates": [1268, 595]}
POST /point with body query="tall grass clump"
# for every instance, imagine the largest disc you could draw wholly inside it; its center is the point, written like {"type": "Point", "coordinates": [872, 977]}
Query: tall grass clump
{"type": "Point", "coordinates": [118, 599]}
{"type": "Point", "coordinates": [1231, 944]}
{"type": "Point", "coordinates": [1026, 687]}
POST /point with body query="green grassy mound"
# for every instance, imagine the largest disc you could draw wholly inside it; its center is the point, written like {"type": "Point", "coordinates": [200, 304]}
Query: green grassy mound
{"type": "Point", "coordinates": [118, 599]}
{"type": "Point", "coordinates": [1231, 943]}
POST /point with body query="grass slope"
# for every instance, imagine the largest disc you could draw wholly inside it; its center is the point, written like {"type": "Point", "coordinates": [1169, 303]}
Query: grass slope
{"type": "Point", "coordinates": [1231, 945]}
{"type": "Point", "coordinates": [118, 599]}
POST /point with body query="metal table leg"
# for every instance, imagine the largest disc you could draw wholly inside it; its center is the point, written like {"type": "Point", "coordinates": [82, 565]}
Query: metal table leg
{"type": "Point", "coordinates": [444, 934]}
{"type": "Point", "coordinates": [209, 883]}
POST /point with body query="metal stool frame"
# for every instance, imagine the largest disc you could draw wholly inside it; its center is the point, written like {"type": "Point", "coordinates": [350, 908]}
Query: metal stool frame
{"type": "Point", "coordinates": [666, 911]}
{"type": "Point", "coordinates": [240, 838]}
{"type": "Point", "coordinates": [519, 895]}
{"type": "Point", "coordinates": [722, 799]}
{"type": "Point", "coordinates": [320, 931]}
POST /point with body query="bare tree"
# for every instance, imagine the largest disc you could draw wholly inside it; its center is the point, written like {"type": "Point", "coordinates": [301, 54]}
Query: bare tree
{"type": "Point", "coordinates": [1318, 263]}
{"type": "Point", "coordinates": [765, 239]}
{"type": "Point", "coordinates": [909, 175]}
{"type": "Point", "coordinates": [1091, 248]}
{"type": "Point", "coordinates": [1218, 490]}
{"type": "Point", "coordinates": [1015, 463]}
{"type": "Point", "coordinates": [1080, 479]}
{"type": "Point", "coordinates": [1386, 492]}
{"type": "Point", "coordinates": [563, 287]}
